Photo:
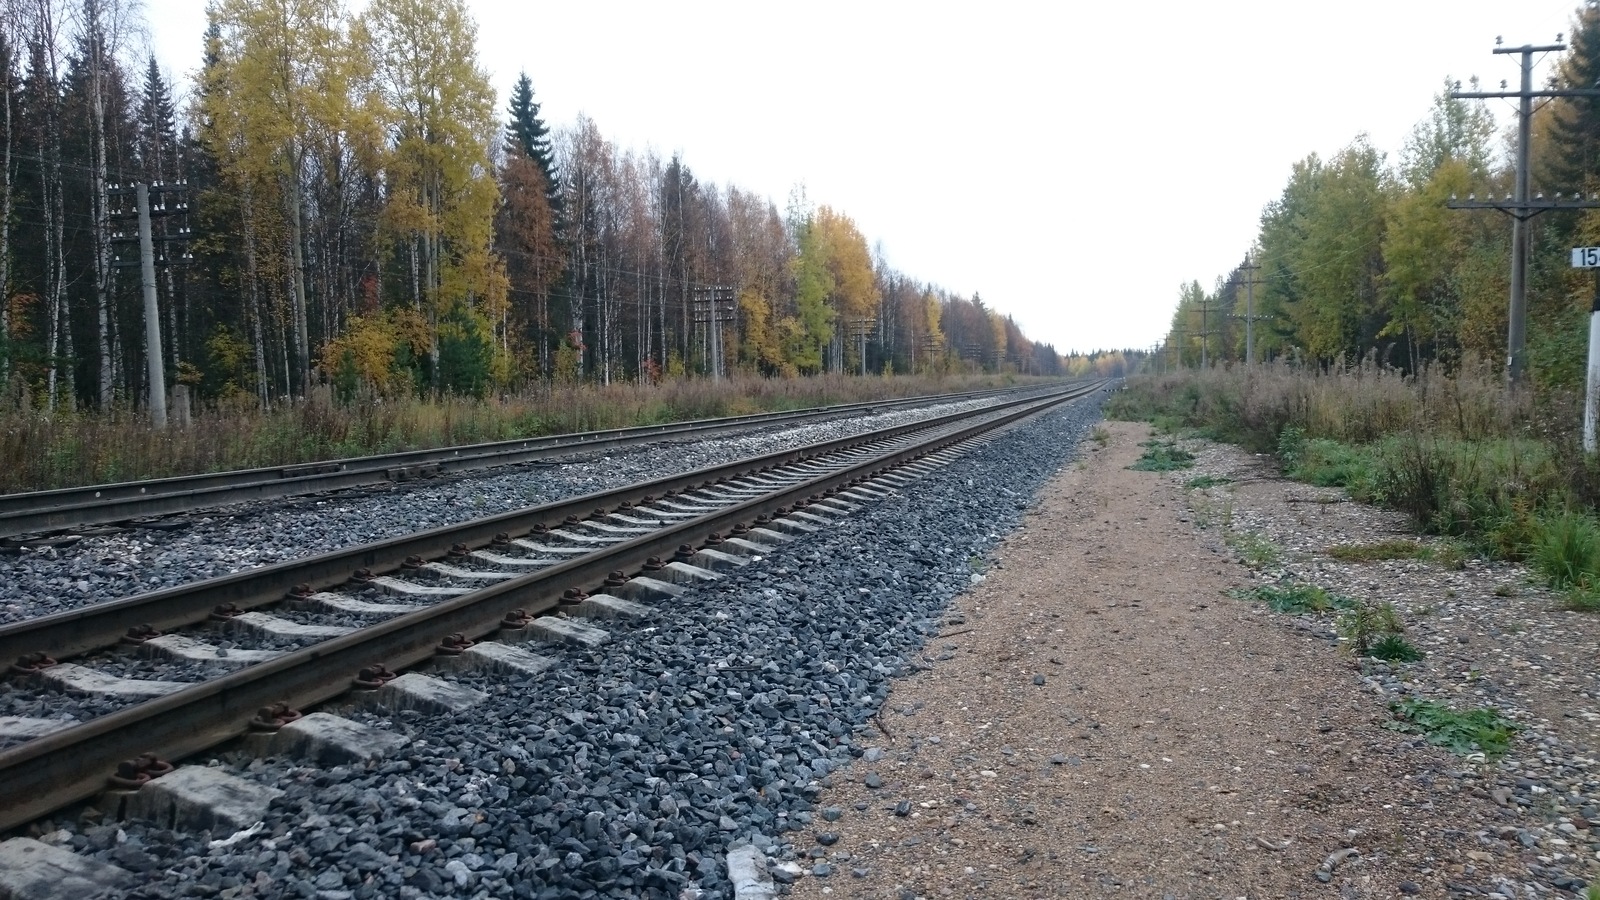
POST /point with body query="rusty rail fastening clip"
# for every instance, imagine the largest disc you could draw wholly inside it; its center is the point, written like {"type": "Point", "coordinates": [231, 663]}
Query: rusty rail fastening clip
{"type": "Point", "coordinates": [132, 774]}
{"type": "Point", "coordinates": [138, 634]}
{"type": "Point", "coordinates": [373, 677]}
{"type": "Point", "coordinates": [454, 645]}
{"type": "Point", "coordinates": [32, 663]}
{"type": "Point", "coordinates": [271, 718]}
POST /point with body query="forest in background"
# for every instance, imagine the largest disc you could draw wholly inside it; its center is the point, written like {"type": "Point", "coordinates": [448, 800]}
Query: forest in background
{"type": "Point", "coordinates": [341, 202]}
{"type": "Point", "coordinates": [1360, 258]}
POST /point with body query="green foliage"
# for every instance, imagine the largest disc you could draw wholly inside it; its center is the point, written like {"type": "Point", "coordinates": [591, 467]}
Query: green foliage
{"type": "Point", "coordinates": [1207, 481]}
{"type": "Point", "coordinates": [1567, 549]}
{"type": "Point", "coordinates": [1394, 648]}
{"type": "Point", "coordinates": [1374, 552]}
{"type": "Point", "coordinates": [1163, 457]}
{"type": "Point", "coordinates": [1482, 730]}
{"type": "Point", "coordinates": [1294, 599]}
{"type": "Point", "coordinates": [1257, 551]}
{"type": "Point", "coordinates": [1364, 624]}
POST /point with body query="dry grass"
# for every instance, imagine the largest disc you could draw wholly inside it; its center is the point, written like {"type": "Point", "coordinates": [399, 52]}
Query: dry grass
{"type": "Point", "coordinates": [47, 450]}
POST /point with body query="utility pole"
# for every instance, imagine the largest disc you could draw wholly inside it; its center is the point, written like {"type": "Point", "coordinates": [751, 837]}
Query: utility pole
{"type": "Point", "coordinates": [1249, 316]}
{"type": "Point", "coordinates": [1205, 334]}
{"type": "Point", "coordinates": [1522, 207]}
{"type": "Point", "coordinates": [714, 306]}
{"type": "Point", "coordinates": [143, 212]}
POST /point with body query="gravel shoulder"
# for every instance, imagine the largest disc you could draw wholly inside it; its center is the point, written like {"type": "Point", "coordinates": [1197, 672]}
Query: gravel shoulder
{"type": "Point", "coordinates": [1098, 717]}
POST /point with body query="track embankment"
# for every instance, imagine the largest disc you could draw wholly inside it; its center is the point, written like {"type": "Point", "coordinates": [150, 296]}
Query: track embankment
{"type": "Point", "coordinates": [1099, 719]}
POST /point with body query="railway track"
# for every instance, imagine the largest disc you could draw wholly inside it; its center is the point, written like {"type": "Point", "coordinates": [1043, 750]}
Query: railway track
{"type": "Point", "coordinates": [25, 516]}
{"type": "Point", "coordinates": [440, 592]}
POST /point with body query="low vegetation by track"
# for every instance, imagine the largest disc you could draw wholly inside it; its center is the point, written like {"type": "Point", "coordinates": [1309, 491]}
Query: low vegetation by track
{"type": "Point", "coordinates": [1499, 473]}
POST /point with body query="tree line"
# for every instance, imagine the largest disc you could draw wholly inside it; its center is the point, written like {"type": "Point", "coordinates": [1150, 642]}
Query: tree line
{"type": "Point", "coordinates": [1359, 256]}
{"type": "Point", "coordinates": [342, 202]}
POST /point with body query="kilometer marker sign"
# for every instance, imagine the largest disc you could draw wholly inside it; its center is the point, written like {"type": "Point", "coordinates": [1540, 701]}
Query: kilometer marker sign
{"type": "Point", "coordinates": [1589, 258]}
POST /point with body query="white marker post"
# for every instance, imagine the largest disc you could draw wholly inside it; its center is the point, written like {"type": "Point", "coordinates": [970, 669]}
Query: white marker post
{"type": "Point", "coordinates": [1589, 258]}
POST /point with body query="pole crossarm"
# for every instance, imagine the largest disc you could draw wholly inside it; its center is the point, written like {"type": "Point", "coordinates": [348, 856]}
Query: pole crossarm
{"type": "Point", "coordinates": [1523, 210]}
{"type": "Point", "coordinates": [1516, 95]}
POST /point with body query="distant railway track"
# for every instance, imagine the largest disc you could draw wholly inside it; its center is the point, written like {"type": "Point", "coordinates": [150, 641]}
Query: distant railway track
{"type": "Point", "coordinates": [23, 514]}
{"type": "Point", "coordinates": [442, 591]}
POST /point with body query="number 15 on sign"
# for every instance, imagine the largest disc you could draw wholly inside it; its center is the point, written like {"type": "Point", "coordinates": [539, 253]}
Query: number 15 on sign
{"type": "Point", "coordinates": [1586, 257]}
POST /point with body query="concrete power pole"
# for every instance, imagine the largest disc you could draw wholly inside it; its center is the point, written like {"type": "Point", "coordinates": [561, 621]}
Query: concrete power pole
{"type": "Point", "coordinates": [1521, 206]}
{"type": "Point", "coordinates": [177, 205]}
{"type": "Point", "coordinates": [152, 311]}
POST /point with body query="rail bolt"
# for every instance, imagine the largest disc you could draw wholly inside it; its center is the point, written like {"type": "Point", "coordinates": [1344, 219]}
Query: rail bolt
{"type": "Point", "coordinates": [713, 539]}
{"type": "Point", "coordinates": [31, 663]}
{"type": "Point", "coordinates": [685, 553]}
{"type": "Point", "coordinates": [763, 519]}
{"type": "Point", "coordinates": [373, 677]}
{"type": "Point", "coordinates": [517, 618]}
{"type": "Point", "coordinates": [598, 514]}
{"type": "Point", "coordinates": [501, 539]}
{"type": "Point", "coordinates": [540, 528]}
{"type": "Point", "coordinates": [739, 529]}
{"type": "Point", "coordinates": [138, 634]}
{"type": "Point", "coordinates": [128, 777]}
{"type": "Point", "coordinates": [362, 575]}
{"type": "Point", "coordinates": [617, 578]}
{"type": "Point", "coordinates": [572, 520]}
{"type": "Point", "coordinates": [654, 564]}
{"type": "Point", "coordinates": [413, 563]}
{"type": "Point", "coordinates": [624, 506]}
{"type": "Point", "coordinates": [271, 718]}
{"type": "Point", "coordinates": [573, 596]}
{"type": "Point", "coordinates": [454, 645]}
{"type": "Point", "coordinates": [301, 591]}
{"type": "Point", "coordinates": [459, 551]}
{"type": "Point", "coordinates": [222, 612]}
{"type": "Point", "coordinates": [153, 765]}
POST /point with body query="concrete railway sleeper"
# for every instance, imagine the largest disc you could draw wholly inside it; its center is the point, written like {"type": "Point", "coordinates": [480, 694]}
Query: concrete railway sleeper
{"type": "Point", "coordinates": [439, 609]}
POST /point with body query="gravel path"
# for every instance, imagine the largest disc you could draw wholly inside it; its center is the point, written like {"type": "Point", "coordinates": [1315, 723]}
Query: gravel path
{"type": "Point", "coordinates": [630, 770]}
{"type": "Point", "coordinates": [1100, 718]}
{"type": "Point", "coordinates": [107, 567]}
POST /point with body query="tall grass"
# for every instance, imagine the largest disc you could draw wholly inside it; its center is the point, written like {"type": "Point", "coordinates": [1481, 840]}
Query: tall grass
{"type": "Point", "coordinates": [1457, 452]}
{"type": "Point", "coordinates": [46, 450]}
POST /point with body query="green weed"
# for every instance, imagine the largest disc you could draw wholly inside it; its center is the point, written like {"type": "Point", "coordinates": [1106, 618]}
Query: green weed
{"type": "Point", "coordinates": [1294, 599]}
{"type": "Point", "coordinates": [1394, 648]}
{"type": "Point", "coordinates": [1160, 457]}
{"type": "Point", "coordinates": [1257, 551]}
{"type": "Point", "coordinates": [1207, 481]}
{"type": "Point", "coordinates": [1100, 435]}
{"type": "Point", "coordinates": [1567, 550]}
{"type": "Point", "coordinates": [1365, 624]}
{"type": "Point", "coordinates": [1482, 730]}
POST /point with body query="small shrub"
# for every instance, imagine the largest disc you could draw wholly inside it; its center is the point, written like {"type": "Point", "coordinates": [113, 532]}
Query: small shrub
{"type": "Point", "coordinates": [1583, 598]}
{"type": "Point", "coordinates": [1159, 457]}
{"type": "Point", "coordinates": [1375, 552]}
{"type": "Point", "coordinates": [1365, 624]}
{"type": "Point", "coordinates": [1394, 648]}
{"type": "Point", "coordinates": [1475, 731]}
{"type": "Point", "coordinates": [1294, 599]}
{"type": "Point", "coordinates": [1207, 481]}
{"type": "Point", "coordinates": [1100, 435]}
{"type": "Point", "coordinates": [1257, 551]}
{"type": "Point", "coordinates": [1567, 550]}
{"type": "Point", "coordinates": [1505, 589]}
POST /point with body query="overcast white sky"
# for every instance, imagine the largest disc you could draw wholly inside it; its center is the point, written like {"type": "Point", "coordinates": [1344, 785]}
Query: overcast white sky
{"type": "Point", "coordinates": [1072, 162]}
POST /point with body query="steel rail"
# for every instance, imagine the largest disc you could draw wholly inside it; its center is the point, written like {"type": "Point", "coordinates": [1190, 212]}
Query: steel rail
{"type": "Point", "coordinates": [37, 511]}
{"type": "Point", "coordinates": [55, 770]}
{"type": "Point", "coordinates": [79, 631]}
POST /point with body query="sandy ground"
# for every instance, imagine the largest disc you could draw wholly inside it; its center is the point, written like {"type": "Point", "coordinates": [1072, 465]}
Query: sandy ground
{"type": "Point", "coordinates": [1099, 719]}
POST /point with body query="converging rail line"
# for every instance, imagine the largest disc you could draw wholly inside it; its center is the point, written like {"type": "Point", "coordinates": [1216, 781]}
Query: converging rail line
{"type": "Point", "coordinates": [440, 593]}
{"type": "Point", "coordinates": [42, 511]}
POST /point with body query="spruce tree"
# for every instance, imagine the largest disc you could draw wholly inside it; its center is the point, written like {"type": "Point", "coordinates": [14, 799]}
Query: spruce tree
{"type": "Point", "coordinates": [527, 134]}
{"type": "Point", "coordinates": [1574, 160]}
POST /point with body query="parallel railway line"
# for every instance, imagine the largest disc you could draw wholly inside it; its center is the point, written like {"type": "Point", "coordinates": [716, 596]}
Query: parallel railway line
{"type": "Point", "coordinates": [460, 584]}
{"type": "Point", "coordinates": [28, 513]}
